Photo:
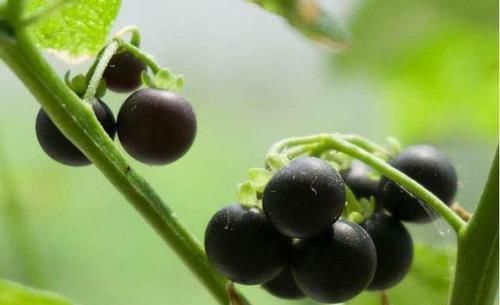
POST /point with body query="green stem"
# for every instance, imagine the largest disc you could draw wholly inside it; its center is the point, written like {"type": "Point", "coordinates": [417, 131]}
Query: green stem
{"type": "Point", "coordinates": [338, 143]}
{"type": "Point", "coordinates": [77, 122]}
{"type": "Point", "coordinates": [135, 38]}
{"type": "Point", "coordinates": [476, 276]}
{"type": "Point", "coordinates": [15, 10]}
{"type": "Point", "coordinates": [98, 69]}
{"type": "Point", "coordinates": [146, 58]}
{"type": "Point", "coordinates": [367, 145]}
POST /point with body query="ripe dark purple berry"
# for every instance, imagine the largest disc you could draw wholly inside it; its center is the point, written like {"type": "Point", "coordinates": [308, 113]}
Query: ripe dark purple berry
{"type": "Point", "coordinates": [429, 167]}
{"type": "Point", "coordinates": [58, 147]}
{"type": "Point", "coordinates": [284, 286]}
{"type": "Point", "coordinates": [156, 126]}
{"type": "Point", "coordinates": [304, 198]}
{"type": "Point", "coordinates": [394, 248]}
{"type": "Point", "coordinates": [336, 265]}
{"type": "Point", "coordinates": [244, 246]}
{"type": "Point", "coordinates": [357, 177]}
{"type": "Point", "coordinates": [123, 73]}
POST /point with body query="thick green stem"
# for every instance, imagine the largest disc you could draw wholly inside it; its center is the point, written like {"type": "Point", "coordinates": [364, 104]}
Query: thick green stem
{"type": "Point", "coordinates": [476, 275]}
{"type": "Point", "coordinates": [77, 121]}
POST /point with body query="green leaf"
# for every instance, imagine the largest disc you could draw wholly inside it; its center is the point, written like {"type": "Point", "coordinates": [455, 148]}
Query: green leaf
{"type": "Point", "coordinates": [428, 280]}
{"type": "Point", "coordinates": [78, 29]}
{"type": "Point", "coordinates": [435, 79]}
{"type": "Point", "coordinates": [15, 294]}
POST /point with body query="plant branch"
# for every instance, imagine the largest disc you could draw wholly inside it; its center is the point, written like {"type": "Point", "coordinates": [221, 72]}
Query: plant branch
{"type": "Point", "coordinates": [476, 275]}
{"type": "Point", "coordinates": [78, 123]}
{"type": "Point", "coordinates": [14, 11]}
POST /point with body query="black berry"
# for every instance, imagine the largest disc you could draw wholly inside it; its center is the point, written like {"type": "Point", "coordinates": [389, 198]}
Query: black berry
{"type": "Point", "coordinates": [304, 198]}
{"type": "Point", "coordinates": [337, 265]}
{"type": "Point", "coordinates": [284, 286]}
{"type": "Point", "coordinates": [432, 169]}
{"type": "Point", "coordinates": [156, 126]}
{"type": "Point", "coordinates": [58, 147]}
{"type": "Point", "coordinates": [244, 246]}
{"type": "Point", "coordinates": [123, 73]}
{"type": "Point", "coordinates": [394, 248]}
{"type": "Point", "coordinates": [357, 177]}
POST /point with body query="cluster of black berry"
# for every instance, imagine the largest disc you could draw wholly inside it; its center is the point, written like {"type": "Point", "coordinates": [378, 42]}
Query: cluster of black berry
{"type": "Point", "coordinates": [300, 245]}
{"type": "Point", "coordinates": [154, 126]}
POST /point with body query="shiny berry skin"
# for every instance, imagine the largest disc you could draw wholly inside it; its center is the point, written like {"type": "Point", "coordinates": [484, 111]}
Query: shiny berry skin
{"type": "Point", "coordinates": [337, 265]}
{"type": "Point", "coordinates": [357, 178]}
{"type": "Point", "coordinates": [429, 167]}
{"type": "Point", "coordinates": [156, 126]}
{"type": "Point", "coordinates": [394, 247]}
{"type": "Point", "coordinates": [123, 73]}
{"type": "Point", "coordinates": [243, 245]}
{"type": "Point", "coordinates": [304, 198]}
{"type": "Point", "coordinates": [58, 147]}
{"type": "Point", "coordinates": [284, 286]}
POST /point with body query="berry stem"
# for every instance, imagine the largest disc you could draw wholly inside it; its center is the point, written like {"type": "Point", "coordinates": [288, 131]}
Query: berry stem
{"type": "Point", "coordinates": [368, 145]}
{"type": "Point", "coordinates": [78, 123]}
{"type": "Point", "coordinates": [98, 69]}
{"type": "Point", "coordinates": [135, 38]}
{"type": "Point", "coordinates": [476, 275]}
{"type": "Point", "coordinates": [340, 143]}
{"type": "Point", "coordinates": [146, 58]}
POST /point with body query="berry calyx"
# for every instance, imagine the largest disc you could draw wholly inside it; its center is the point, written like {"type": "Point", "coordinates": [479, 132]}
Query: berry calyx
{"type": "Point", "coordinates": [394, 247]}
{"type": "Point", "coordinates": [156, 126]}
{"type": "Point", "coordinates": [429, 167]}
{"type": "Point", "coordinates": [337, 265]}
{"type": "Point", "coordinates": [284, 286]}
{"type": "Point", "coordinates": [123, 73]}
{"type": "Point", "coordinates": [243, 245]}
{"type": "Point", "coordinates": [304, 198]}
{"type": "Point", "coordinates": [58, 147]}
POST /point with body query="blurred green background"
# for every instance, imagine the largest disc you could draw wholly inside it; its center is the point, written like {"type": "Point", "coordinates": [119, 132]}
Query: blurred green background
{"type": "Point", "coordinates": [420, 70]}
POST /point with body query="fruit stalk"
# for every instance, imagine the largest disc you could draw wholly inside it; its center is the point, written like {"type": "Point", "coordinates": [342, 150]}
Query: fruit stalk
{"type": "Point", "coordinates": [78, 123]}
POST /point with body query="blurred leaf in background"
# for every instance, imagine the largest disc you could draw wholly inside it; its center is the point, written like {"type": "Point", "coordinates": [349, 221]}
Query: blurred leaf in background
{"type": "Point", "coordinates": [15, 294]}
{"type": "Point", "coordinates": [427, 283]}
{"type": "Point", "coordinates": [435, 64]}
